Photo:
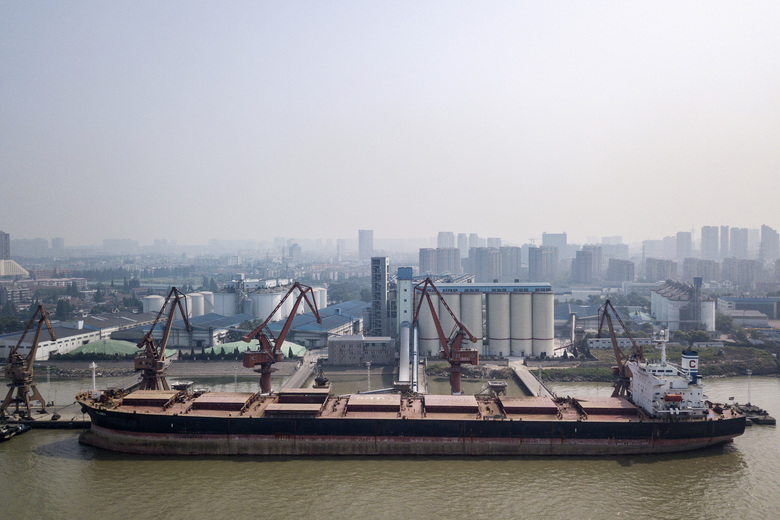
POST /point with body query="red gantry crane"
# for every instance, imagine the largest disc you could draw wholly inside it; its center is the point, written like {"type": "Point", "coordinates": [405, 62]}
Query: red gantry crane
{"type": "Point", "coordinates": [19, 368]}
{"type": "Point", "coordinates": [621, 370]}
{"type": "Point", "coordinates": [152, 360]}
{"type": "Point", "coordinates": [270, 352]}
{"type": "Point", "coordinates": [450, 346]}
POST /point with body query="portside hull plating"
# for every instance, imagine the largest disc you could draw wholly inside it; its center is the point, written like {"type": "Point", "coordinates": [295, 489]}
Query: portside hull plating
{"type": "Point", "coordinates": [188, 435]}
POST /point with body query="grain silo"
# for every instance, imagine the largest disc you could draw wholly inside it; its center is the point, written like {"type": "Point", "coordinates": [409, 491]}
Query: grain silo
{"type": "Point", "coordinates": [471, 316]}
{"type": "Point", "coordinates": [195, 304]}
{"type": "Point", "coordinates": [225, 304]}
{"type": "Point", "coordinates": [208, 302]}
{"type": "Point", "coordinates": [153, 303]}
{"type": "Point", "coordinates": [498, 323]}
{"type": "Point", "coordinates": [521, 324]}
{"type": "Point", "coordinates": [428, 339]}
{"type": "Point", "coordinates": [543, 327]}
{"type": "Point", "coordinates": [447, 323]}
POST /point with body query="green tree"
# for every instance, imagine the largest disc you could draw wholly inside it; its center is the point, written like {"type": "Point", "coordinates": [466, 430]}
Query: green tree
{"type": "Point", "coordinates": [99, 298]}
{"type": "Point", "coordinates": [64, 310]}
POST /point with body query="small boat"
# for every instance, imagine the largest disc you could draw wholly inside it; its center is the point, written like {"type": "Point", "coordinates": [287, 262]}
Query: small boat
{"type": "Point", "coordinates": [9, 430]}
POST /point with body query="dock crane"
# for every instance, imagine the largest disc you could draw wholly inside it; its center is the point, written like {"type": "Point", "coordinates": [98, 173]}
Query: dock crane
{"type": "Point", "coordinates": [152, 360]}
{"type": "Point", "coordinates": [19, 368]}
{"type": "Point", "coordinates": [621, 370]}
{"type": "Point", "coordinates": [450, 346]}
{"type": "Point", "coordinates": [269, 352]}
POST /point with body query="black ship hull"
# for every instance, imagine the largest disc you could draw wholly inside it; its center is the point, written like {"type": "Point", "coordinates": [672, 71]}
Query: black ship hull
{"type": "Point", "coordinates": [220, 435]}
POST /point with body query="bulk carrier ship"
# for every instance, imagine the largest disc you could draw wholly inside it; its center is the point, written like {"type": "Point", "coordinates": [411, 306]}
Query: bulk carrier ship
{"type": "Point", "coordinates": [656, 408]}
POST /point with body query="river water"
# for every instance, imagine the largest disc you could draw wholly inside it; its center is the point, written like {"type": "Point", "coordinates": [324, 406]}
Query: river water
{"type": "Point", "coordinates": [48, 474]}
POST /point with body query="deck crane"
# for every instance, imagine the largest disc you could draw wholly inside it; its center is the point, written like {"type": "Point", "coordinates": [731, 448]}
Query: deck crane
{"type": "Point", "coordinates": [269, 352]}
{"type": "Point", "coordinates": [19, 368]}
{"type": "Point", "coordinates": [621, 370]}
{"type": "Point", "coordinates": [152, 360]}
{"type": "Point", "coordinates": [450, 346]}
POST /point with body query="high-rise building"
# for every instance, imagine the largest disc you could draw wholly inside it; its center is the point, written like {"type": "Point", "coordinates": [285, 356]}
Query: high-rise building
{"type": "Point", "coordinates": [463, 244]}
{"type": "Point", "coordinates": [542, 263]}
{"type": "Point", "coordinates": [684, 245]}
{"type": "Point", "coordinates": [738, 241]}
{"type": "Point", "coordinates": [428, 261]}
{"type": "Point", "coordinates": [708, 270]}
{"type": "Point", "coordinates": [555, 240]}
{"type": "Point", "coordinates": [724, 242]}
{"type": "Point", "coordinates": [511, 263]}
{"type": "Point", "coordinates": [709, 242]}
{"type": "Point", "coordinates": [365, 244]}
{"type": "Point", "coordinates": [620, 270]}
{"type": "Point", "coordinates": [448, 261]}
{"type": "Point", "coordinates": [473, 240]}
{"type": "Point", "coordinates": [486, 264]}
{"type": "Point", "coordinates": [598, 259]}
{"type": "Point", "coordinates": [582, 266]}
{"type": "Point", "coordinates": [57, 244]}
{"type": "Point", "coordinates": [657, 269]}
{"type": "Point", "coordinates": [494, 242]}
{"type": "Point", "coordinates": [380, 288]}
{"type": "Point", "coordinates": [770, 244]}
{"type": "Point", "coordinates": [5, 246]}
{"type": "Point", "coordinates": [446, 240]}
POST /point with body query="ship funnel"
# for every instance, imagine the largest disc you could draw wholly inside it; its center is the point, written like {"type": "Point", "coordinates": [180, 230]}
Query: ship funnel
{"type": "Point", "coordinates": [690, 365]}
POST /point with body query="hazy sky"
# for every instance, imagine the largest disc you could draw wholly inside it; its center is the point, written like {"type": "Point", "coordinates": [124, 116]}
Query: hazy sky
{"type": "Point", "coordinates": [198, 120]}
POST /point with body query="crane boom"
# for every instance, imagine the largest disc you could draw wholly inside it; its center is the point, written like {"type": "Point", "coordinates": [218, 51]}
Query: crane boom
{"type": "Point", "coordinates": [451, 347]}
{"type": "Point", "coordinates": [269, 352]}
{"type": "Point", "coordinates": [152, 360]}
{"type": "Point", "coordinates": [621, 370]}
{"type": "Point", "coordinates": [19, 368]}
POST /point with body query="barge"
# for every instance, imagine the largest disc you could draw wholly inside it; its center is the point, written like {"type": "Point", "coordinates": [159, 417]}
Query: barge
{"type": "Point", "coordinates": [664, 412]}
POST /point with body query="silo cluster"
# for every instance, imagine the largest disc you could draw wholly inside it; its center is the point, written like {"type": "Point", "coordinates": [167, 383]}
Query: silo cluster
{"type": "Point", "coordinates": [516, 323]}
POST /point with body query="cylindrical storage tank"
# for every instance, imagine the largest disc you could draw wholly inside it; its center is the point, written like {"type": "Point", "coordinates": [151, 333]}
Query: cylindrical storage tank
{"type": "Point", "coordinates": [321, 297]}
{"type": "Point", "coordinates": [428, 340]}
{"type": "Point", "coordinates": [403, 362]}
{"type": "Point", "coordinates": [543, 324]}
{"type": "Point", "coordinates": [288, 304]}
{"type": "Point", "coordinates": [247, 306]}
{"type": "Point", "coordinates": [498, 323]}
{"type": "Point", "coordinates": [447, 323]}
{"type": "Point", "coordinates": [195, 304]}
{"type": "Point", "coordinates": [264, 303]}
{"type": "Point", "coordinates": [520, 324]}
{"type": "Point", "coordinates": [225, 304]}
{"type": "Point", "coordinates": [471, 317]}
{"type": "Point", "coordinates": [208, 302]}
{"type": "Point", "coordinates": [153, 303]}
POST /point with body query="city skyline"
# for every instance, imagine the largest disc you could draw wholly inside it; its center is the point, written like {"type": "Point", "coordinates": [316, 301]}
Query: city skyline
{"type": "Point", "coordinates": [192, 121]}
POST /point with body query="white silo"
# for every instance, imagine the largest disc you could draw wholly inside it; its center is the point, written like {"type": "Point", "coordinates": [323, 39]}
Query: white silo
{"type": "Point", "coordinates": [428, 339]}
{"type": "Point", "coordinates": [498, 323]}
{"type": "Point", "coordinates": [264, 304]}
{"type": "Point", "coordinates": [471, 317]}
{"type": "Point", "coordinates": [447, 323]}
{"type": "Point", "coordinates": [521, 324]}
{"type": "Point", "coordinates": [153, 303]}
{"type": "Point", "coordinates": [195, 304]}
{"type": "Point", "coordinates": [321, 297]}
{"type": "Point", "coordinates": [288, 303]}
{"type": "Point", "coordinates": [208, 302]}
{"type": "Point", "coordinates": [543, 325]}
{"type": "Point", "coordinates": [225, 304]}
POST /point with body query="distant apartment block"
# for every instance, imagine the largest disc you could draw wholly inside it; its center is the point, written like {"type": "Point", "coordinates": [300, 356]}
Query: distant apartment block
{"type": "Point", "coordinates": [620, 270]}
{"type": "Point", "coordinates": [365, 244]}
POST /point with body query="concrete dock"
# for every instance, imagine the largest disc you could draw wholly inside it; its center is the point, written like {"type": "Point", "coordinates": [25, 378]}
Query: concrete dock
{"type": "Point", "coordinates": [527, 379]}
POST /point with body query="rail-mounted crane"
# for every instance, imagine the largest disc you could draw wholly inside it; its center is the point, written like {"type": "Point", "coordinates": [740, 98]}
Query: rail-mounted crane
{"type": "Point", "coordinates": [269, 352]}
{"type": "Point", "coordinates": [152, 360]}
{"type": "Point", "coordinates": [19, 368]}
{"type": "Point", "coordinates": [451, 349]}
{"type": "Point", "coordinates": [621, 370]}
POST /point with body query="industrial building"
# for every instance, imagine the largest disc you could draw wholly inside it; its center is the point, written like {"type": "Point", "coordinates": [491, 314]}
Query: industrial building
{"type": "Point", "coordinates": [357, 349]}
{"type": "Point", "coordinates": [511, 319]}
{"type": "Point", "coordinates": [680, 306]}
{"type": "Point", "coordinates": [380, 287]}
{"type": "Point", "coordinates": [67, 339]}
{"type": "Point", "coordinates": [345, 318]}
{"type": "Point", "coordinates": [770, 306]}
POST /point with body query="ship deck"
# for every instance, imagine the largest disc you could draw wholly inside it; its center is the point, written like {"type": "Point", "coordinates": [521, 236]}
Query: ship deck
{"type": "Point", "coordinates": [316, 403]}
